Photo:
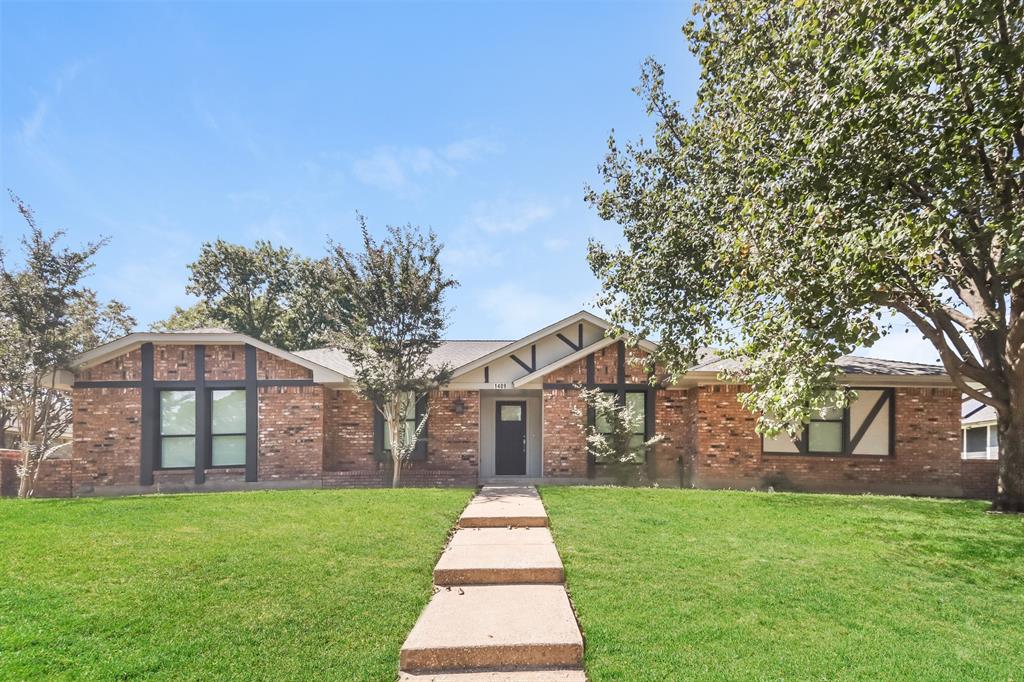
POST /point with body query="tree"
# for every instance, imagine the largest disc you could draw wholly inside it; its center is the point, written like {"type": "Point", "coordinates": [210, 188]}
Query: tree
{"type": "Point", "coordinates": [265, 291]}
{"type": "Point", "coordinates": [196, 316]}
{"type": "Point", "coordinates": [842, 159]}
{"type": "Point", "coordinates": [46, 318]}
{"type": "Point", "coordinates": [393, 322]}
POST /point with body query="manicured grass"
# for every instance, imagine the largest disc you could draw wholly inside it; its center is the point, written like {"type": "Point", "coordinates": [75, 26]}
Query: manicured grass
{"type": "Point", "coordinates": [314, 584]}
{"type": "Point", "coordinates": [686, 584]}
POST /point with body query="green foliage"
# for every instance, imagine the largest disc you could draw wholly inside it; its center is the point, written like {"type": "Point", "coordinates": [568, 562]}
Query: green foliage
{"type": "Point", "coordinates": [196, 316]}
{"type": "Point", "coordinates": [264, 291]}
{"type": "Point", "coordinates": [842, 158]}
{"type": "Point", "coordinates": [268, 585]}
{"type": "Point", "coordinates": [394, 320]}
{"type": "Point", "coordinates": [47, 316]}
{"type": "Point", "coordinates": [719, 585]}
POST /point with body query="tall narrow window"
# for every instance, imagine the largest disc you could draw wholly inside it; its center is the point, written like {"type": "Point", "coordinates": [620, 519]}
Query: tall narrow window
{"type": "Point", "coordinates": [177, 429]}
{"type": "Point", "coordinates": [227, 427]}
{"type": "Point", "coordinates": [637, 402]}
{"type": "Point", "coordinates": [409, 424]}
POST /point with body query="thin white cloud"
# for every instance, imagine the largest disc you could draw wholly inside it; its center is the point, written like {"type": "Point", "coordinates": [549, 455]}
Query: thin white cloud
{"type": "Point", "coordinates": [504, 216]}
{"type": "Point", "coordinates": [403, 169]}
{"type": "Point", "coordinates": [32, 125]}
{"type": "Point", "coordinates": [556, 244]}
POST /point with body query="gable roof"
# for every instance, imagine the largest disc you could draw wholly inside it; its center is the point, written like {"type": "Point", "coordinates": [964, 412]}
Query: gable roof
{"type": "Point", "coordinates": [321, 373]}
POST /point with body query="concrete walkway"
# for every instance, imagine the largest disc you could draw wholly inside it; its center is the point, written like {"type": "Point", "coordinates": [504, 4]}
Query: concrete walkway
{"type": "Point", "coordinates": [499, 611]}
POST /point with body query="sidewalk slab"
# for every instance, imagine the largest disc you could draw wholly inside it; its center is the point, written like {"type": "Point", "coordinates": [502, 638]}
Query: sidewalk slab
{"type": "Point", "coordinates": [506, 556]}
{"type": "Point", "coordinates": [494, 626]}
{"type": "Point", "coordinates": [497, 506]}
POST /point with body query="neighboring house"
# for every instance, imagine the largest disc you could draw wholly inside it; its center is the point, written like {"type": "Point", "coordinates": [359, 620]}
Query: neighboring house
{"type": "Point", "coordinates": [978, 424]}
{"type": "Point", "coordinates": [211, 410]}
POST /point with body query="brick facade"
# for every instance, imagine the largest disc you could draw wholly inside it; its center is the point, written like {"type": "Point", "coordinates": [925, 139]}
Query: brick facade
{"type": "Point", "coordinates": [926, 459]}
{"type": "Point", "coordinates": [291, 433]}
{"type": "Point", "coordinates": [979, 478]}
{"type": "Point", "coordinates": [313, 435]}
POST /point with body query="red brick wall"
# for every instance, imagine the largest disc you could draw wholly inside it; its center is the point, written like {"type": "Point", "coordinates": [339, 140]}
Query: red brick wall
{"type": "Point", "coordinates": [979, 478]}
{"type": "Point", "coordinates": [291, 432]}
{"type": "Point", "coordinates": [565, 447]}
{"type": "Point", "coordinates": [127, 367]}
{"type": "Point", "coordinates": [926, 459]}
{"type": "Point", "coordinates": [348, 432]}
{"type": "Point", "coordinates": [673, 420]}
{"type": "Point", "coordinates": [107, 428]}
{"type": "Point", "coordinates": [174, 362]}
{"type": "Point", "coordinates": [453, 443]}
{"type": "Point", "coordinates": [224, 363]}
{"type": "Point", "coordinates": [54, 478]}
{"type": "Point", "coordinates": [272, 367]}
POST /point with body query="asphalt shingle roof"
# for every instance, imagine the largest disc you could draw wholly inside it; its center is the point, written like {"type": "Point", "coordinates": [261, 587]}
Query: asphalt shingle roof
{"type": "Point", "coordinates": [456, 353]}
{"type": "Point", "coordinates": [847, 364]}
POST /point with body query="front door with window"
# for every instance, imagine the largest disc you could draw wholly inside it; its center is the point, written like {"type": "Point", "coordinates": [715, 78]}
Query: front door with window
{"type": "Point", "coordinates": [510, 439]}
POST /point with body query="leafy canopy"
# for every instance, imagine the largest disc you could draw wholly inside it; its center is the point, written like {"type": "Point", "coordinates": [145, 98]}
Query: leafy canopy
{"type": "Point", "coordinates": [842, 158]}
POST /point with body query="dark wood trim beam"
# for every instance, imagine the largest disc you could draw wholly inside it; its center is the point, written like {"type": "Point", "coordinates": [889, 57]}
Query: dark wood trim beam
{"type": "Point", "coordinates": [579, 335]}
{"type": "Point", "coordinates": [591, 371]}
{"type": "Point", "coordinates": [521, 363]}
{"type": "Point", "coordinates": [203, 417]}
{"type": "Point", "coordinates": [150, 418]}
{"type": "Point", "coordinates": [252, 411]}
{"type": "Point", "coordinates": [487, 374]}
{"type": "Point", "coordinates": [567, 342]}
{"type": "Point", "coordinates": [628, 388]}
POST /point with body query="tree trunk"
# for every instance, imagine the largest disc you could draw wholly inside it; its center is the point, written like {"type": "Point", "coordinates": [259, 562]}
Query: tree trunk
{"type": "Point", "coordinates": [27, 471]}
{"type": "Point", "coordinates": [1011, 457]}
{"type": "Point", "coordinates": [396, 471]}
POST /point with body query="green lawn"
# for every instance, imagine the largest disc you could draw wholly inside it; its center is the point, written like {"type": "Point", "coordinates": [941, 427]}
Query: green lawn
{"type": "Point", "coordinates": [273, 585]}
{"type": "Point", "coordinates": [686, 584]}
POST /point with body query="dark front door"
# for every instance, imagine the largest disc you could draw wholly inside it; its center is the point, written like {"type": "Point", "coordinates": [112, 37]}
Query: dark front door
{"type": "Point", "coordinates": [510, 439]}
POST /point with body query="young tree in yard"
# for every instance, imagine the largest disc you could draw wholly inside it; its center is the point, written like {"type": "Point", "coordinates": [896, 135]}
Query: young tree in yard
{"type": "Point", "coordinates": [842, 159]}
{"type": "Point", "coordinates": [265, 291]}
{"type": "Point", "coordinates": [393, 321]}
{"type": "Point", "coordinates": [616, 436]}
{"type": "Point", "coordinates": [46, 318]}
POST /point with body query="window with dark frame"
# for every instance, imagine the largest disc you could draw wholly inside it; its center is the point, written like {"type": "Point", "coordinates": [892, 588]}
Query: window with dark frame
{"type": "Point", "coordinates": [863, 428]}
{"type": "Point", "coordinates": [227, 428]}
{"type": "Point", "coordinates": [409, 424]}
{"type": "Point", "coordinates": [177, 429]}
{"type": "Point", "coordinates": [638, 401]}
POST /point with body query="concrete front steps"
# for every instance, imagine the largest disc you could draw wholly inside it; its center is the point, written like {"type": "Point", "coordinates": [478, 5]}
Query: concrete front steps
{"type": "Point", "coordinates": [500, 610]}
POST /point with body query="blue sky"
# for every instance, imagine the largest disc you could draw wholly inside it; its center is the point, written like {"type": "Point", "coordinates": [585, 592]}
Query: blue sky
{"type": "Point", "coordinates": [164, 125]}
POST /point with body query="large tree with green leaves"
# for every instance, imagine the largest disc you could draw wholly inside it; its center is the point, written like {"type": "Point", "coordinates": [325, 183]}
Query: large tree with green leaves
{"type": "Point", "coordinates": [265, 291]}
{"type": "Point", "coordinates": [47, 316]}
{"type": "Point", "coordinates": [394, 320]}
{"type": "Point", "coordinates": [842, 159]}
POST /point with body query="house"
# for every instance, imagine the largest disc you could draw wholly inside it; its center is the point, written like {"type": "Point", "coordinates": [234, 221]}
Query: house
{"type": "Point", "coordinates": [211, 409]}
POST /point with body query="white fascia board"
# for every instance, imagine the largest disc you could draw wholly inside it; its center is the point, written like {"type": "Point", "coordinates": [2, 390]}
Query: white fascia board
{"type": "Point", "coordinates": [581, 316]}
{"type": "Point", "coordinates": [321, 374]}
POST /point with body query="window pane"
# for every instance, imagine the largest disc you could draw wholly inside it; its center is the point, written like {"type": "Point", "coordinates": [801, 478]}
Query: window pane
{"type": "Point", "coordinates": [825, 437]}
{"type": "Point", "coordinates": [601, 422]}
{"type": "Point", "coordinates": [177, 452]}
{"type": "Point", "coordinates": [511, 413]}
{"type": "Point", "coordinates": [976, 439]}
{"type": "Point", "coordinates": [228, 450]}
{"type": "Point", "coordinates": [177, 412]}
{"type": "Point", "coordinates": [227, 411]}
{"type": "Point", "coordinates": [636, 441]}
{"type": "Point", "coordinates": [993, 436]}
{"type": "Point", "coordinates": [410, 432]}
{"type": "Point", "coordinates": [637, 403]}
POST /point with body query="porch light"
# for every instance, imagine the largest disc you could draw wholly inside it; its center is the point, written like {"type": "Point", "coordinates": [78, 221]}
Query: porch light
{"type": "Point", "coordinates": [458, 407]}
